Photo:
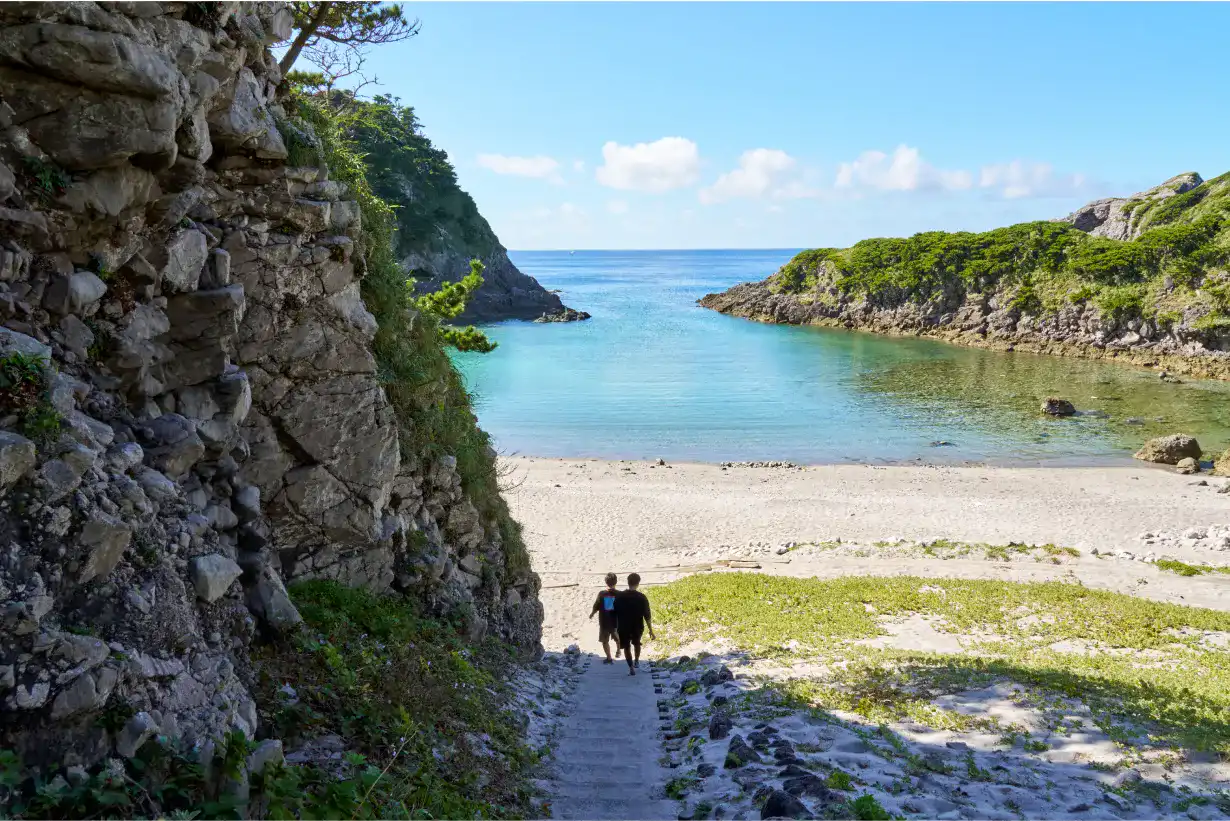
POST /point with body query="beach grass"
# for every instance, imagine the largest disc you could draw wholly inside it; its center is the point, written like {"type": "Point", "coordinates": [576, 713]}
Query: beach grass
{"type": "Point", "coordinates": [1147, 672]}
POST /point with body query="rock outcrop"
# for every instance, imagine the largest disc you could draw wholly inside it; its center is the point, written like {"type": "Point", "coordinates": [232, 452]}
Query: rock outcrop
{"type": "Point", "coordinates": [1170, 450]}
{"type": "Point", "coordinates": [440, 228]}
{"type": "Point", "coordinates": [506, 293]}
{"type": "Point", "coordinates": [1123, 218]}
{"type": "Point", "coordinates": [1033, 287]}
{"type": "Point", "coordinates": [208, 423]}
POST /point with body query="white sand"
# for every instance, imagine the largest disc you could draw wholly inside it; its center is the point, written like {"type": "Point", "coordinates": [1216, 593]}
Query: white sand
{"type": "Point", "coordinates": [583, 517]}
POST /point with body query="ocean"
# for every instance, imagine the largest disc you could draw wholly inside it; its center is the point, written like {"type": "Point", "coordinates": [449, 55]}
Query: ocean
{"type": "Point", "coordinates": [652, 375]}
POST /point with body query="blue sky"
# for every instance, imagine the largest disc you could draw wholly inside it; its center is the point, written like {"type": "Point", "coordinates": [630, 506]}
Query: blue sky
{"type": "Point", "coordinates": [765, 125]}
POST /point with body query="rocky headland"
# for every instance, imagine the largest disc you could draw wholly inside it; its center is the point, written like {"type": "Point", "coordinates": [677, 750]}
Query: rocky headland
{"type": "Point", "coordinates": [440, 227]}
{"type": "Point", "coordinates": [1143, 280]}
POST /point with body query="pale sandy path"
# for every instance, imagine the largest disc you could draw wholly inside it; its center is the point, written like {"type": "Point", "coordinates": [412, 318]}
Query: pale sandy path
{"type": "Point", "coordinates": [583, 517]}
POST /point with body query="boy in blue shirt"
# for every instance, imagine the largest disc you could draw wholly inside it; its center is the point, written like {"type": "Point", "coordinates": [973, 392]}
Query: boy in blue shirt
{"type": "Point", "coordinates": [604, 606]}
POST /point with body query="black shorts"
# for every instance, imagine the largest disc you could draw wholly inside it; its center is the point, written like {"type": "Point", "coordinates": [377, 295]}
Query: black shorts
{"type": "Point", "coordinates": [606, 632]}
{"type": "Point", "coordinates": [630, 637]}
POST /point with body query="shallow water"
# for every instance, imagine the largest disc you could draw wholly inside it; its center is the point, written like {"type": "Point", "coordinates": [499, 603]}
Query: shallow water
{"type": "Point", "coordinates": [653, 375]}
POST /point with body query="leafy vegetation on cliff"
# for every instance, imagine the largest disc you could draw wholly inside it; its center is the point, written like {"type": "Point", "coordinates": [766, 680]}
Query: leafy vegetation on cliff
{"type": "Point", "coordinates": [405, 168]}
{"type": "Point", "coordinates": [422, 714]}
{"type": "Point", "coordinates": [422, 706]}
{"type": "Point", "coordinates": [427, 393]}
{"type": "Point", "coordinates": [1179, 261]}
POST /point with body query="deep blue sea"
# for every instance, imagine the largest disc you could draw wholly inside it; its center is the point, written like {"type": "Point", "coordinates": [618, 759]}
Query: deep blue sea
{"type": "Point", "coordinates": [654, 375]}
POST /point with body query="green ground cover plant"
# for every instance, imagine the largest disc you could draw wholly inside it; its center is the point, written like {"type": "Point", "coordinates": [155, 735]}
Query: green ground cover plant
{"type": "Point", "coordinates": [1142, 667]}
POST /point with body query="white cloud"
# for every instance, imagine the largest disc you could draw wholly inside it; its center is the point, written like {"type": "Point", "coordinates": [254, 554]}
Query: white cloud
{"type": "Point", "coordinates": [655, 168]}
{"type": "Point", "coordinates": [578, 166]}
{"type": "Point", "coordinates": [542, 168]}
{"type": "Point", "coordinates": [1017, 180]}
{"type": "Point", "coordinates": [565, 214]}
{"type": "Point", "coordinates": [758, 174]}
{"type": "Point", "coordinates": [903, 170]}
{"type": "Point", "coordinates": [617, 207]}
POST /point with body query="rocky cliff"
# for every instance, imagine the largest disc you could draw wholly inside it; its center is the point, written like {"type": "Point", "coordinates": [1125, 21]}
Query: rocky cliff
{"type": "Point", "coordinates": [192, 413]}
{"type": "Point", "coordinates": [441, 229]}
{"type": "Point", "coordinates": [1144, 280]}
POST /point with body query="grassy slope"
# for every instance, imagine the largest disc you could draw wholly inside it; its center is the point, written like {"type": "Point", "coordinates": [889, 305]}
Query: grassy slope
{"type": "Point", "coordinates": [1186, 239]}
{"type": "Point", "coordinates": [1170, 681]}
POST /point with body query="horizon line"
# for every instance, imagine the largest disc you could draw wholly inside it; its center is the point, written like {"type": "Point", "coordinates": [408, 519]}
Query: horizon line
{"type": "Point", "coordinates": [643, 250]}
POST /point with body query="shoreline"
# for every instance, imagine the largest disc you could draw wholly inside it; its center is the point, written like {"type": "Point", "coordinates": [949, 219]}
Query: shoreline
{"type": "Point", "coordinates": [1211, 366]}
{"type": "Point", "coordinates": [584, 517]}
{"type": "Point", "coordinates": [1075, 463]}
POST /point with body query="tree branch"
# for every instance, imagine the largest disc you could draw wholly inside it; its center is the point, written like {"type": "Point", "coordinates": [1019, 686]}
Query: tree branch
{"type": "Point", "coordinates": [305, 34]}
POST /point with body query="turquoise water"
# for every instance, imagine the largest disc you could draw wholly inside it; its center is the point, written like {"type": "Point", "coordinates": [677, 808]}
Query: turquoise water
{"type": "Point", "coordinates": [653, 375]}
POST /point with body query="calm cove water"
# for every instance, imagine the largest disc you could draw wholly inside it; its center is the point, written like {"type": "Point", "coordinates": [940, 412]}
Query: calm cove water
{"type": "Point", "coordinates": [653, 375]}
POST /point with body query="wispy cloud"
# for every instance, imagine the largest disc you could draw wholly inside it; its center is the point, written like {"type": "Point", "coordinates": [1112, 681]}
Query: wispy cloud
{"type": "Point", "coordinates": [1017, 179]}
{"type": "Point", "coordinates": [542, 168]}
{"type": "Point", "coordinates": [906, 170]}
{"type": "Point", "coordinates": [903, 170]}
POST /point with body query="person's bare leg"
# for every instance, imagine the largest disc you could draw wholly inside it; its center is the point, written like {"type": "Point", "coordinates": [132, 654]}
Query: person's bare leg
{"type": "Point", "coordinates": [606, 647]}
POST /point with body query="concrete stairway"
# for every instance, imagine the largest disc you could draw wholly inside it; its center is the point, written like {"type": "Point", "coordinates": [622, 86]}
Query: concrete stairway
{"type": "Point", "coordinates": [607, 750]}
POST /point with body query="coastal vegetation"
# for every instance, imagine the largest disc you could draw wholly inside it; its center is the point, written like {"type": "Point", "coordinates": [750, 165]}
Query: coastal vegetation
{"type": "Point", "coordinates": [1150, 673]}
{"type": "Point", "coordinates": [426, 717]}
{"type": "Point", "coordinates": [1178, 261]}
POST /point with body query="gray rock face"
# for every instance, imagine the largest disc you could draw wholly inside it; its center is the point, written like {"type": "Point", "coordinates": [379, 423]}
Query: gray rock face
{"type": "Point", "coordinates": [212, 575]}
{"type": "Point", "coordinates": [224, 424]}
{"type": "Point", "coordinates": [269, 600]}
{"type": "Point", "coordinates": [72, 293]}
{"type": "Point", "coordinates": [1120, 217]}
{"type": "Point", "coordinates": [184, 259]}
{"type": "Point", "coordinates": [506, 292]}
{"type": "Point", "coordinates": [139, 729]}
{"type": "Point", "coordinates": [106, 538]}
{"type": "Point", "coordinates": [17, 458]}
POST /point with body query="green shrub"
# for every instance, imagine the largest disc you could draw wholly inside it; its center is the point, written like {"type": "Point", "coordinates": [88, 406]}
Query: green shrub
{"type": "Point", "coordinates": [867, 808]}
{"type": "Point", "coordinates": [24, 392]}
{"type": "Point", "coordinates": [413, 698]}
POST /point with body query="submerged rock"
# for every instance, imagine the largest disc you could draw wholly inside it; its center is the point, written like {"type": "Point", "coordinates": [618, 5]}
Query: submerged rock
{"type": "Point", "coordinates": [1054, 406]}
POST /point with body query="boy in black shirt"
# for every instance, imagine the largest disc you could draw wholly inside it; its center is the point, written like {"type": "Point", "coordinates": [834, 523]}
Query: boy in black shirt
{"type": "Point", "coordinates": [604, 605]}
{"type": "Point", "coordinates": [632, 617]}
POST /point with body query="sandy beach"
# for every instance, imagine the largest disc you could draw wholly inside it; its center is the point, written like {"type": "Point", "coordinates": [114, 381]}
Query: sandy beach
{"type": "Point", "coordinates": [583, 517]}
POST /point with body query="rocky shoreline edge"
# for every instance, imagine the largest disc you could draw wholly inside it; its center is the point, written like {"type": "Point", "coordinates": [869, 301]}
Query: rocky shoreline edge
{"type": "Point", "coordinates": [754, 301]}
